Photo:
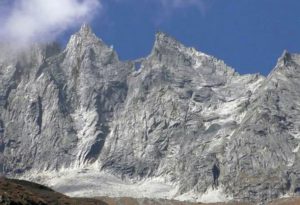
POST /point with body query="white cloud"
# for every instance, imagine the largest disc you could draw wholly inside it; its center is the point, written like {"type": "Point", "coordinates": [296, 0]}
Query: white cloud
{"type": "Point", "coordinates": [42, 20]}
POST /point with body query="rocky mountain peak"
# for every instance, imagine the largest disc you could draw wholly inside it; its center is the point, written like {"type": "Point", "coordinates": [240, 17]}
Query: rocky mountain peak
{"type": "Point", "coordinates": [85, 43]}
{"type": "Point", "coordinates": [169, 52]}
{"type": "Point", "coordinates": [84, 38]}
{"type": "Point", "coordinates": [185, 117]}
{"type": "Point", "coordinates": [288, 58]}
{"type": "Point", "coordinates": [284, 58]}
{"type": "Point", "coordinates": [168, 45]}
{"type": "Point", "coordinates": [164, 40]}
{"type": "Point", "coordinates": [287, 67]}
{"type": "Point", "coordinates": [85, 29]}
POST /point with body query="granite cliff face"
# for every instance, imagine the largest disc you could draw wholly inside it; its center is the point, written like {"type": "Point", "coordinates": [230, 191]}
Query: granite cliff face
{"type": "Point", "coordinates": [179, 115]}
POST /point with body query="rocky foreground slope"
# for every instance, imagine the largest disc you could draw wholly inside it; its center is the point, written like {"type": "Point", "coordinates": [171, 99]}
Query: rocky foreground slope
{"type": "Point", "coordinates": [178, 115]}
{"type": "Point", "coordinates": [19, 192]}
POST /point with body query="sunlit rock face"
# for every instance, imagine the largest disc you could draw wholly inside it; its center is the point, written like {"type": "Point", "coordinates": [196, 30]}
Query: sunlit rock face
{"type": "Point", "coordinates": [179, 115]}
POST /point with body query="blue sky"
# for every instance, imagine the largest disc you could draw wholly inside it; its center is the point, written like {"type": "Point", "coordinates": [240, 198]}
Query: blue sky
{"type": "Point", "coordinates": [248, 35]}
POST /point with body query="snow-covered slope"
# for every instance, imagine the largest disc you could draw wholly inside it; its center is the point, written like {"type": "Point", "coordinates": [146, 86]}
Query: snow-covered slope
{"type": "Point", "coordinates": [176, 124]}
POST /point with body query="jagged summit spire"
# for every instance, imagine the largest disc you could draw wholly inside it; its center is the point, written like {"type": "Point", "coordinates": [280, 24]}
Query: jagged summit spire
{"type": "Point", "coordinates": [287, 64]}
{"type": "Point", "coordinates": [84, 36]}
{"type": "Point", "coordinates": [86, 33]}
{"type": "Point", "coordinates": [85, 29]}
{"type": "Point", "coordinates": [285, 57]}
{"type": "Point", "coordinates": [85, 40]}
{"type": "Point", "coordinates": [164, 40]}
{"type": "Point", "coordinates": [165, 45]}
{"type": "Point", "coordinates": [163, 36]}
{"type": "Point", "coordinates": [169, 47]}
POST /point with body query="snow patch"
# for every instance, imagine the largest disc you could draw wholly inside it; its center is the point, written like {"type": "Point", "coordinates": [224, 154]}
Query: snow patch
{"type": "Point", "coordinates": [296, 149]}
{"type": "Point", "coordinates": [91, 182]}
{"type": "Point", "coordinates": [213, 196]}
{"type": "Point", "coordinates": [290, 161]}
{"type": "Point", "coordinates": [210, 196]}
{"type": "Point", "coordinates": [295, 134]}
{"type": "Point", "coordinates": [287, 195]}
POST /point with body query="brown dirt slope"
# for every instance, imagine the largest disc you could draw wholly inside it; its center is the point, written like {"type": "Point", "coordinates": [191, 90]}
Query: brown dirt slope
{"type": "Point", "coordinates": [287, 201]}
{"type": "Point", "coordinates": [19, 192]}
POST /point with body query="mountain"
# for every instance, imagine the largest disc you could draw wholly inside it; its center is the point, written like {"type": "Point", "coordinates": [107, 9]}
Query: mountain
{"type": "Point", "coordinates": [177, 124]}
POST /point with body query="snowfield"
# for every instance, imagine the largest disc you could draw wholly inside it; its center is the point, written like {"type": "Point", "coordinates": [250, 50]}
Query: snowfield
{"type": "Point", "coordinates": [89, 182]}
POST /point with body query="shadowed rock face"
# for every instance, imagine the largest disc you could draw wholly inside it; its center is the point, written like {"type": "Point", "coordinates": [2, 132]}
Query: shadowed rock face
{"type": "Point", "coordinates": [181, 115]}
